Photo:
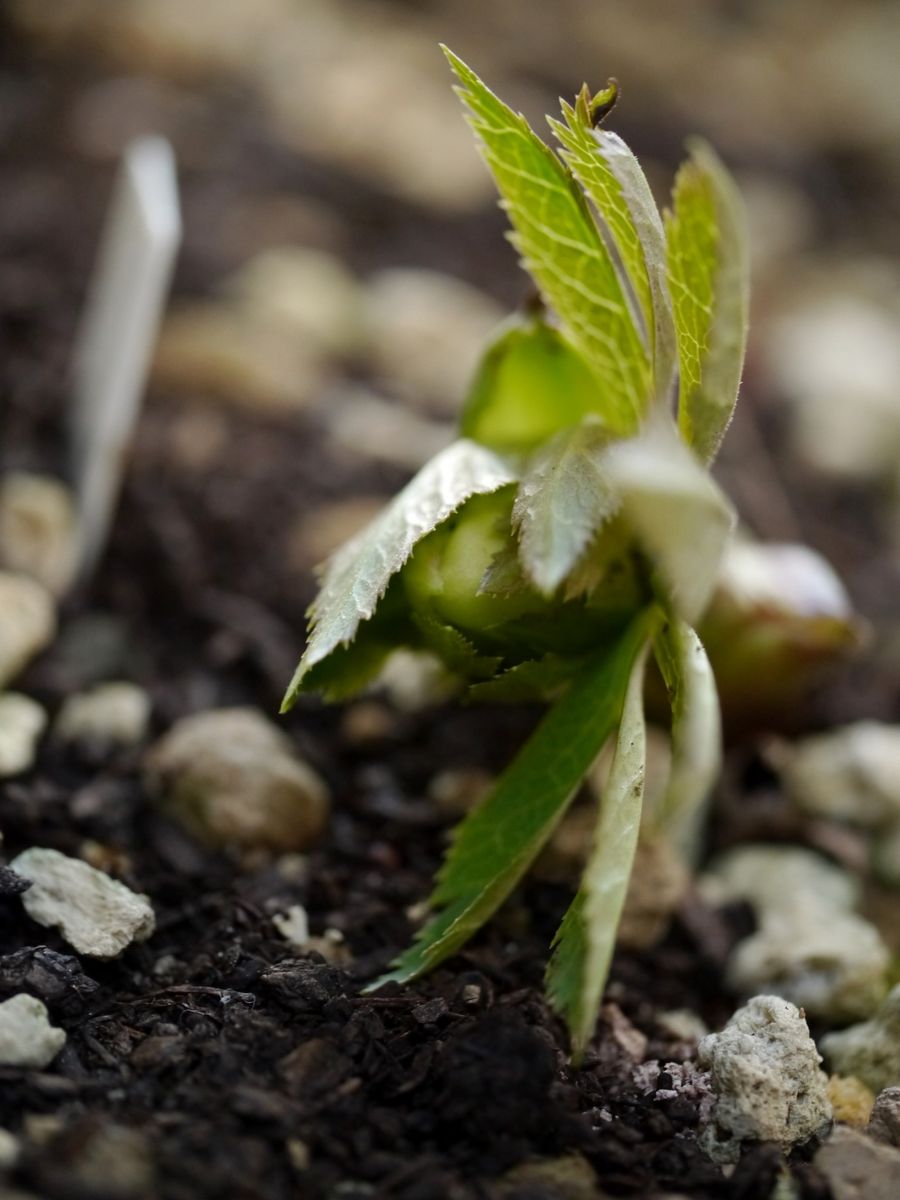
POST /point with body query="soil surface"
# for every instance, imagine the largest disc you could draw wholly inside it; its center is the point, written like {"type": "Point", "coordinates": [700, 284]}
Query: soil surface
{"type": "Point", "coordinates": [212, 1061]}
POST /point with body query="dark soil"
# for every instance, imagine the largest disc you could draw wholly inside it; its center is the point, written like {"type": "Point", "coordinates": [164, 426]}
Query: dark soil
{"type": "Point", "coordinates": [209, 1062]}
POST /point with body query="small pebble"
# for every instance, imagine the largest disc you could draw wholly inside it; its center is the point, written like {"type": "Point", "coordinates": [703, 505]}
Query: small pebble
{"type": "Point", "coordinates": [38, 535]}
{"type": "Point", "coordinates": [232, 777]}
{"type": "Point", "coordinates": [22, 721]}
{"type": "Point", "coordinates": [27, 1039]}
{"type": "Point", "coordinates": [110, 714]}
{"type": "Point", "coordinates": [97, 915]}
{"type": "Point", "coordinates": [848, 774]}
{"type": "Point", "coordinates": [871, 1049]}
{"type": "Point", "coordinates": [810, 947]}
{"type": "Point", "coordinates": [884, 1124]}
{"type": "Point", "coordinates": [293, 925]}
{"type": "Point", "coordinates": [765, 1073]}
{"type": "Point", "coordinates": [856, 1167]}
{"type": "Point", "coordinates": [851, 1100]}
{"type": "Point", "coordinates": [9, 1150]}
{"type": "Point", "coordinates": [27, 622]}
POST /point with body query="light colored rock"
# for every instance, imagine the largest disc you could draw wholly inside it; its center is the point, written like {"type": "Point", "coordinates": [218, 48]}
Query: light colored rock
{"type": "Point", "coordinates": [778, 877]}
{"type": "Point", "coordinates": [317, 534]}
{"type": "Point", "coordinates": [293, 925]}
{"type": "Point", "coordinates": [27, 1039]}
{"type": "Point", "coordinates": [232, 777]}
{"type": "Point", "coordinates": [570, 1177]}
{"type": "Point", "coordinates": [422, 151]}
{"type": "Point", "coordinates": [22, 721]}
{"type": "Point", "coordinates": [851, 1100]}
{"type": "Point", "coordinates": [38, 534]}
{"type": "Point", "coordinates": [27, 622]}
{"type": "Point", "coordinates": [659, 882]}
{"type": "Point", "coordinates": [413, 680]}
{"type": "Point", "coordinates": [97, 915]}
{"type": "Point", "coordinates": [833, 965]}
{"type": "Point", "coordinates": [113, 1160]}
{"type": "Point", "coordinates": [307, 294]}
{"type": "Point", "coordinates": [115, 714]}
{"type": "Point", "coordinates": [810, 947]}
{"type": "Point", "coordinates": [858, 1168]}
{"type": "Point", "coordinates": [886, 855]}
{"type": "Point", "coordinates": [765, 1073]}
{"type": "Point", "coordinates": [209, 348]}
{"type": "Point", "coordinates": [428, 332]}
{"type": "Point", "coordinates": [362, 424]}
{"type": "Point", "coordinates": [9, 1150]}
{"type": "Point", "coordinates": [836, 356]}
{"type": "Point", "coordinates": [456, 790]}
{"type": "Point", "coordinates": [884, 1123]}
{"type": "Point", "coordinates": [849, 774]}
{"type": "Point", "coordinates": [871, 1049]}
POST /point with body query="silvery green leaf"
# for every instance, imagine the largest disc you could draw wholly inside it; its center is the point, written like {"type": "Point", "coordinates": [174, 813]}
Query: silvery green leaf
{"type": "Point", "coordinates": [563, 499]}
{"type": "Point", "coordinates": [709, 281]}
{"type": "Point", "coordinates": [696, 730]}
{"type": "Point", "coordinates": [356, 578]}
{"type": "Point", "coordinates": [680, 517]}
{"type": "Point", "coordinates": [584, 943]}
{"type": "Point", "coordinates": [563, 250]}
{"type": "Point", "coordinates": [612, 177]}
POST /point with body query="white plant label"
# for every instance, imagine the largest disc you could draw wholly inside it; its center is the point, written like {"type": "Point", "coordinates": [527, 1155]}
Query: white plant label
{"type": "Point", "coordinates": [125, 301]}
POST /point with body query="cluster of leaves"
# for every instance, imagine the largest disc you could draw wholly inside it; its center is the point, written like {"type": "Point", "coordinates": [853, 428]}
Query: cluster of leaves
{"type": "Point", "coordinates": [574, 530]}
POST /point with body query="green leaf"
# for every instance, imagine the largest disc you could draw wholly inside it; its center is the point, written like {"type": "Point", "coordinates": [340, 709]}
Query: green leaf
{"type": "Point", "coordinates": [530, 383]}
{"type": "Point", "coordinates": [680, 517]}
{"type": "Point", "coordinates": [497, 842]}
{"type": "Point", "coordinates": [584, 943]}
{"type": "Point", "coordinates": [562, 501]}
{"type": "Point", "coordinates": [562, 249]}
{"type": "Point", "coordinates": [357, 577]}
{"type": "Point", "coordinates": [696, 728]}
{"type": "Point", "coordinates": [536, 679]}
{"type": "Point", "coordinates": [708, 277]}
{"type": "Point", "coordinates": [612, 177]}
{"type": "Point", "coordinates": [455, 650]}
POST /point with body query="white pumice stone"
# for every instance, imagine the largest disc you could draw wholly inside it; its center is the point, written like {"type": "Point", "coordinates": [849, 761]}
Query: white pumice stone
{"type": "Point", "coordinates": [849, 774]}
{"type": "Point", "coordinates": [232, 777]}
{"type": "Point", "coordinates": [27, 1039]}
{"type": "Point", "coordinates": [38, 529]}
{"type": "Point", "coordinates": [293, 925]}
{"type": "Point", "coordinates": [27, 622]}
{"type": "Point", "coordinates": [811, 947]}
{"type": "Point", "coordinates": [96, 914]}
{"type": "Point", "coordinates": [22, 721]}
{"type": "Point", "coordinates": [10, 1149]}
{"type": "Point", "coordinates": [116, 714]}
{"type": "Point", "coordinates": [871, 1049]}
{"type": "Point", "coordinates": [765, 1073]}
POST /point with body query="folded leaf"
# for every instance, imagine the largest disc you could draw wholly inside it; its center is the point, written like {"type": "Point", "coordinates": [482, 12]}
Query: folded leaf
{"type": "Point", "coordinates": [696, 729]}
{"type": "Point", "coordinates": [530, 384]}
{"type": "Point", "coordinates": [356, 578]}
{"type": "Point", "coordinates": [562, 249]}
{"type": "Point", "coordinates": [584, 943]}
{"type": "Point", "coordinates": [563, 500]}
{"type": "Point", "coordinates": [708, 277]}
{"type": "Point", "coordinates": [612, 177]}
{"type": "Point", "coordinates": [678, 514]}
{"type": "Point", "coordinates": [498, 841]}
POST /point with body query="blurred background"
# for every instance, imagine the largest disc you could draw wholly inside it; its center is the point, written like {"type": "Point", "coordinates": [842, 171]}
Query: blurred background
{"type": "Point", "coordinates": [344, 262]}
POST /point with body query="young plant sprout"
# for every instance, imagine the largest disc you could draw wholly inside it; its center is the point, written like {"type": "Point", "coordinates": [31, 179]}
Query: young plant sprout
{"type": "Point", "coordinates": [574, 530]}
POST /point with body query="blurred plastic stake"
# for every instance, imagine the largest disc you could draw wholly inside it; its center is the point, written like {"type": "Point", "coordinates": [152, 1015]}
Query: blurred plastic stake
{"type": "Point", "coordinates": [125, 302]}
